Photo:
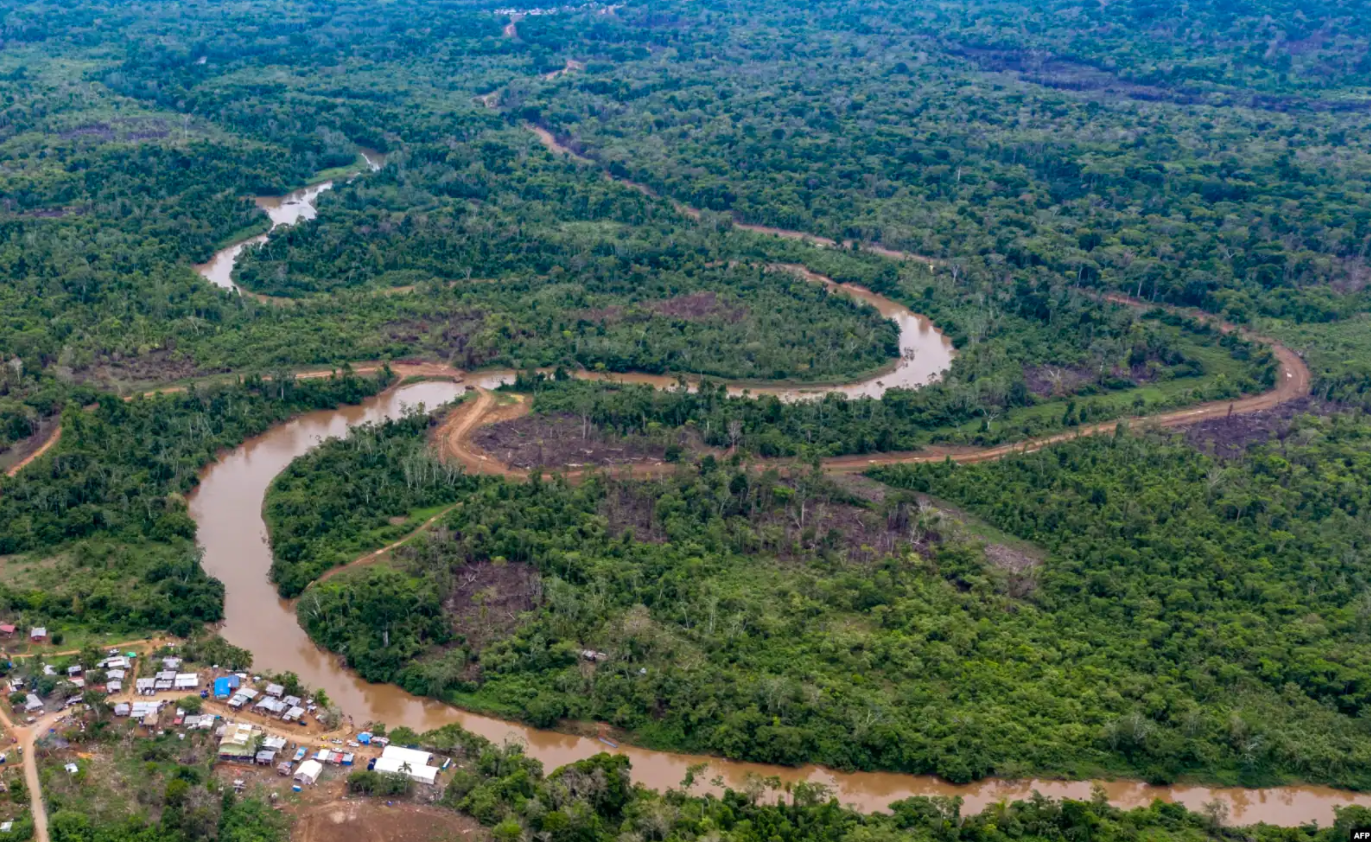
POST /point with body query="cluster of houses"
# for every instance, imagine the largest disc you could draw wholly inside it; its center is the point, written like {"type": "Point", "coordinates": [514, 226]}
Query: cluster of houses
{"type": "Point", "coordinates": [273, 701]}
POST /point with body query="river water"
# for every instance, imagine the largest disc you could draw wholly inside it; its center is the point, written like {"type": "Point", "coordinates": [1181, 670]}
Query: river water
{"type": "Point", "coordinates": [227, 509]}
{"type": "Point", "coordinates": [295, 206]}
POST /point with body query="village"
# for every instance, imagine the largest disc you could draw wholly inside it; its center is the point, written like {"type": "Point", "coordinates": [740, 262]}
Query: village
{"type": "Point", "coordinates": [263, 734]}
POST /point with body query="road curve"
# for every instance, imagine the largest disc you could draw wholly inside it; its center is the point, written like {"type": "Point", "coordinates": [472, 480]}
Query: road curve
{"type": "Point", "coordinates": [1293, 381]}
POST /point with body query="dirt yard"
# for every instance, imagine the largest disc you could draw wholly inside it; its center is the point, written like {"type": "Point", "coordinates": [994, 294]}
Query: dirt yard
{"type": "Point", "coordinates": [371, 820]}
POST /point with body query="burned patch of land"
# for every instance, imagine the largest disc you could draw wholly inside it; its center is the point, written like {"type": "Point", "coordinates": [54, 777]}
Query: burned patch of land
{"type": "Point", "coordinates": [562, 441]}
{"type": "Point", "coordinates": [161, 366]}
{"type": "Point", "coordinates": [487, 598]}
{"type": "Point", "coordinates": [452, 337]}
{"type": "Point", "coordinates": [1232, 437]}
{"type": "Point", "coordinates": [695, 307]}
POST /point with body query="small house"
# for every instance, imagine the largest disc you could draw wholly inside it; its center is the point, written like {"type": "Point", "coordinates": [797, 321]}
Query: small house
{"type": "Point", "coordinates": [276, 690]}
{"type": "Point", "coordinates": [186, 681]}
{"type": "Point", "coordinates": [7, 629]}
{"type": "Point", "coordinates": [284, 769]}
{"type": "Point", "coordinates": [142, 710]}
{"type": "Point", "coordinates": [225, 685]}
{"type": "Point", "coordinates": [291, 701]}
{"type": "Point", "coordinates": [237, 742]}
{"type": "Point", "coordinates": [171, 664]}
{"type": "Point", "coordinates": [274, 743]}
{"type": "Point", "coordinates": [265, 757]}
{"type": "Point", "coordinates": [145, 686]}
{"type": "Point", "coordinates": [38, 634]}
{"type": "Point", "coordinates": [293, 714]}
{"type": "Point", "coordinates": [118, 675]}
{"type": "Point", "coordinates": [121, 709]}
{"type": "Point", "coordinates": [74, 669]}
{"type": "Point", "coordinates": [32, 703]}
{"type": "Point", "coordinates": [114, 687]}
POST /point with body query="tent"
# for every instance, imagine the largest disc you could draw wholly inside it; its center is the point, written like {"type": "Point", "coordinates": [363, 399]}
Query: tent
{"type": "Point", "coordinates": [309, 772]}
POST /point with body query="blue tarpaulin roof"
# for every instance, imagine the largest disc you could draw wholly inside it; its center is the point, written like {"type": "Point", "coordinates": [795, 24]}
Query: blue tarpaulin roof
{"type": "Point", "coordinates": [226, 685]}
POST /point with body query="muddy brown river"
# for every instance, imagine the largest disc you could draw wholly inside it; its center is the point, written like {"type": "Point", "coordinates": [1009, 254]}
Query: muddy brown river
{"type": "Point", "coordinates": [227, 508]}
{"type": "Point", "coordinates": [295, 206]}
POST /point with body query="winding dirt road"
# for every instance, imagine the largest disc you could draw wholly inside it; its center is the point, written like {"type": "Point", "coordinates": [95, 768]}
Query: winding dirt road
{"type": "Point", "coordinates": [52, 439]}
{"type": "Point", "coordinates": [550, 141]}
{"type": "Point", "coordinates": [1293, 381]}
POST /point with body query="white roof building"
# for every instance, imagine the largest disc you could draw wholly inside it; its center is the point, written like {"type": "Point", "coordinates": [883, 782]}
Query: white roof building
{"type": "Point", "coordinates": [409, 762]}
{"type": "Point", "coordinates": [275, 690]}
{"type": "Point", "coordinates": [187, 681]}
{"type": "Point", "coordinates": [309, 772]}
{"type": "Point", "coordinates": [32, 703]}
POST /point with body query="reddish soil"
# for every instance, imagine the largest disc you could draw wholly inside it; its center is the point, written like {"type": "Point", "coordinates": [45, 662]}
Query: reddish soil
{"type": "Point", "coordinates": [24, 452]}
{"type": "Point", "coordinates": [372, 820]}
{"type": "Point", "coordinates": [1292, 382]}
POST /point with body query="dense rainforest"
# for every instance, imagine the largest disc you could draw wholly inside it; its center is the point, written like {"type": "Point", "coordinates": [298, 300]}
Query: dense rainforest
{"type": "Point", "coordinates": [1162, 605]}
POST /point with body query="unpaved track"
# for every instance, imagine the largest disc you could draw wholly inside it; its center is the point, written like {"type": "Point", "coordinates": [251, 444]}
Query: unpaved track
{"type": "Point", "coordinates": [551, 142]}
{"type": "Point", "coordinates": [1293, 381]}
{"type": "Point", "coordinates": [43, 448]}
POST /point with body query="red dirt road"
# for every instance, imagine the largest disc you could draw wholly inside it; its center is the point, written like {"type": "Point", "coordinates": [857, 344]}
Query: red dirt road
{"type": "Point", "coordinates": [1293, 380]}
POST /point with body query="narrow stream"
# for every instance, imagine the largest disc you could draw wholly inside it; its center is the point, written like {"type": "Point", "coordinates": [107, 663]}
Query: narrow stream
{"type": "Point", "coordinates": [227, 508]}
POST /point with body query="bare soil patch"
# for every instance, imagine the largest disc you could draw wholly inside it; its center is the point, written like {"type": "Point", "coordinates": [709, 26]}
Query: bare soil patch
{"type": "Point", "coordinates": [561, 440]}
{"type": "Point", "coordinates": [18, 455]}
{"type": "Point", "coordinates": [371, 820]}
{"type": "Point", "coordinates": [1233, 436]}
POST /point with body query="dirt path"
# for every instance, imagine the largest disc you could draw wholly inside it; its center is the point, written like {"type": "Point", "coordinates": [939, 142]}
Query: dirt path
{"type": "Point", "coordinates": [1293, 380]}
{"type": "Point", "coordinates": [551, 142]}
{"type": "Point", "coordinates": [25, 736]}
{"type": "Point", "coordinates": [376, 555]}
{"type": "Point", "coordinates": [42, 448]}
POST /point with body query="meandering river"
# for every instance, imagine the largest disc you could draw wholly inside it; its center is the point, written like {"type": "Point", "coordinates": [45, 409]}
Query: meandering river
{"type": "Point", "coordinates": [227, 508]}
